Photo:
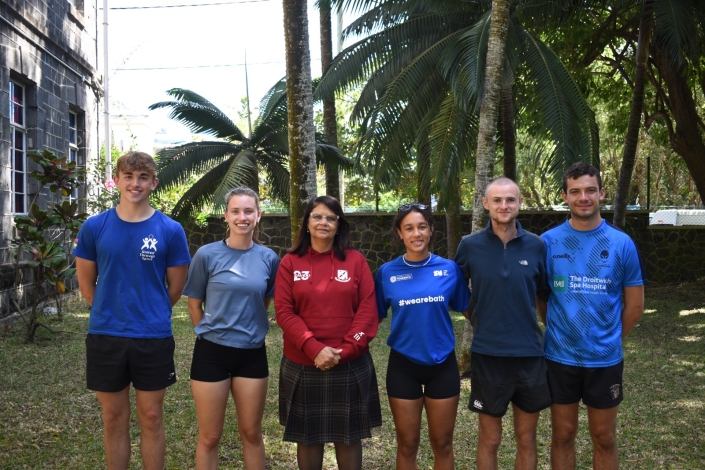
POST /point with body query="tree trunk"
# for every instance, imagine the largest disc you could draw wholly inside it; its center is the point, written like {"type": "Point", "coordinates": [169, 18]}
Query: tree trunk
{"type": "Point", "coordinates": [486, 138]}
{"type": "Point", "coordinates": [687, 138]}
{"type": "Point", "coordinates": [330, 125]}
{"type": "Point", "coordinates": [631, 139]}
{"type": "Point", "coordinates": [302, 143]}
{"type": "Point", "coordinates": [423, 164]}
{"type": "Point", "coordinates": [509, 134]}
{"type": "Point", "coordinates": [454, 228]}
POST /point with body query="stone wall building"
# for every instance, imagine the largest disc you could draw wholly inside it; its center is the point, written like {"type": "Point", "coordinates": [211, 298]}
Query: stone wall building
{"type": "Point", "coordinates": [48, 100]}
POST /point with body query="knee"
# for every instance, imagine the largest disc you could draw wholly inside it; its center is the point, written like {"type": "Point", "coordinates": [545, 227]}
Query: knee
{"type": "Point", "coordinates": [442, 446]}
{"type": "Point", "coordinates": [490, 440]}
{"type": "Point", "coordinates": [564, 435]}
{"type": "Point", "coordinates": [408, 445]}
{"type": "Point", "coordinates": [208, 439]}
{"type": "Point", "coordinates": [251, 435]}
{"type": "Point", "coordinates": [115, 418]}
{"type": "Point", "coordinates": [604, 438]}
{"type": "Point", "coordinates": [151, 421]}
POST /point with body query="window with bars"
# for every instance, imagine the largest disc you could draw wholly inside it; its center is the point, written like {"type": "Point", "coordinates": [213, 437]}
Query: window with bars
{"type": "Point", "coordinates": [73, 147]}
{"type": "Point", "coordinates": [18, 148]}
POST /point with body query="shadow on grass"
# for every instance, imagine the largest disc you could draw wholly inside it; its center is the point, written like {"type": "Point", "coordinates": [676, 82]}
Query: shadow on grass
{"type": "Point", "coordinates": [48, 420]}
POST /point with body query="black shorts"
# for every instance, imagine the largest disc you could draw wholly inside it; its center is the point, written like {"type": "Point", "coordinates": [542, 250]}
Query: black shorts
{"type": "Point", "coordinates": [112, 362]}
{"type": "Point", "coordinates": [495, 381]}
{"type": "Point", "coordinates": [214, 362]}
{"type": "Point", "coordinates": [599, 387]}
{"type": "Point", "coordinates": [410, 381]}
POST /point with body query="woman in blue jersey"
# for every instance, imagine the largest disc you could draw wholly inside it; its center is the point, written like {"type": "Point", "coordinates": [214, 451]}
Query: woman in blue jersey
{"type": "Point", "coordinates": [420, 288]}
{"type": "Point", "coordinates": [229, 287]}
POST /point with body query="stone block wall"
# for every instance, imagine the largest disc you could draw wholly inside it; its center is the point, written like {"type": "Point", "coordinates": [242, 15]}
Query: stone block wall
{"type": "Point", "coordinates": [668, 253]}
{"type": "Point", "coordinates": [49, 47]}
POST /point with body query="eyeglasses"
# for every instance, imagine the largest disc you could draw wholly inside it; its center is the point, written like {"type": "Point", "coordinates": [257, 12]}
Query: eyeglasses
{"type": "Point", "coordinates": [407, 207]}
{"type": "Point", "coordinates": [329, 219]}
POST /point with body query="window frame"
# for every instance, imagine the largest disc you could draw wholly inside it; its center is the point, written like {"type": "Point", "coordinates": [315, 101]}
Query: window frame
{"type": "Point", "coordinates": [18, 127]}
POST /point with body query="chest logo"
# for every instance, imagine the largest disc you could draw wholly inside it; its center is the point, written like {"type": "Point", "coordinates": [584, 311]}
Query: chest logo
{"type": "Point", "coordinates": [342, 276]}
{"type": "Point", "coordinates": [401, 277]}
{"type": "Point", "coordinates": [301, 275]}
{"type": "Point", "coordinates": [149, 243]}
{"type": "Point", "coordinates": [440, 272]}
{"type": "Point", "coordinates": [149, 248]}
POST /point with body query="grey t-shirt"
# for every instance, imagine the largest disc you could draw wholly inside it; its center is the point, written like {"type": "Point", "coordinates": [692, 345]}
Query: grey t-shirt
{"type": "Point", "coordinates": [233, 284]}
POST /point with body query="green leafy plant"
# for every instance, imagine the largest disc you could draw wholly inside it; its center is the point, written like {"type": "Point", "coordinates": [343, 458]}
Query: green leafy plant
{"type": "Point", "coordinates": [42, 247]}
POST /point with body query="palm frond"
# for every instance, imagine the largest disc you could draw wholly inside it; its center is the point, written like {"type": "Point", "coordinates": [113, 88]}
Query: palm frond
{"type": "Point", "coordinates": [178, 164]}
{"type": "Point", "coordinates": [199, 115]}
{"type": "Point", "coordinates": [675, 28]}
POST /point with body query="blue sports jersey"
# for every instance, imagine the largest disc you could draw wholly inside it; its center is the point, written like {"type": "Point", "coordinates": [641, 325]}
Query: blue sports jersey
{"type": "Point", "coordinates": [131, 297]}
{"type": "Point", "coordinates": [587, 271]}
{"type": "Point", "coordinates": [420, 297]}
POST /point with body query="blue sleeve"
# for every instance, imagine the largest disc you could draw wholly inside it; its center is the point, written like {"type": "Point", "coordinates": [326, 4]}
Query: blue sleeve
{"type": "Point", "coordinates": [543, 288]}
{"type": "Point", "coordinates": [382, 305]}
{"type": "Point", "coordinates": [461, 297]}
{"type": "Point", "coordinates": [85, 243]}
{"type": "Point", "coordinates": [178, 248]}
{"type": "Point", "coordinates": [633, 275]}
{"type": "Point", "coordinates": [461, 260]}
{"type": "Point", "coordinates": [197, 280]}
{"type": "Point", "coordinates": [273, 268]}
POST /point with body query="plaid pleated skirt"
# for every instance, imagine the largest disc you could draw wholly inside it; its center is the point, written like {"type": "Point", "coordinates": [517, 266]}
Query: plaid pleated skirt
{"type": "Point", "coordinates": [338, 405]}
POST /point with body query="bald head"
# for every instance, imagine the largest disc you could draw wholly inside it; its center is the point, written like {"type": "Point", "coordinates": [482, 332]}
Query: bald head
{"type": "Point", "coordinates": [502, 181]}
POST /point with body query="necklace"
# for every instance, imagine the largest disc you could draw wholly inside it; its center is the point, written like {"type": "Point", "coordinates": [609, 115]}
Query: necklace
{"type": "Point", "coordinates": [403, 258]}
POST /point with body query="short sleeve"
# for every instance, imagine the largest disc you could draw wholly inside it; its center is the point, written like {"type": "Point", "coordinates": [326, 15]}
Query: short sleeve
{"type": "Point", "coordinates": [382, 304]}
{"type": "Point", "coordinates": [178, 248]}
{"type": "Point", "coordinates": [197, 280]}
{"type": "Point", "coordinates": [273, 268]}
{"type": "Point", "coordinates": [633, 274]}
{"type": "Point", "coordinates": [461, 295]}
{"type": "Point", "coordinates": [85, 243]}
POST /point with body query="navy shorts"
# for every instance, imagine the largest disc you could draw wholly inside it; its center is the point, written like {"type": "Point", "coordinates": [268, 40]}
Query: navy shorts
{"type": "Point", "coordinates": [410, 381]}
{"type": "Point", "coordinates": [598, 387]}
{"type": "Point", "coordinates": [112, 362]}
{"type": "Point", "coordinates": [495, 381]}
{"type": "Point", "coordinates": [214, 362]}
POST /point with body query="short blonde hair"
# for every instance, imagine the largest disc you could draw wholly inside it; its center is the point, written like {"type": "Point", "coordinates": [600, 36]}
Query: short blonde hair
{"type": "Point", "coordinates": [136, 161]}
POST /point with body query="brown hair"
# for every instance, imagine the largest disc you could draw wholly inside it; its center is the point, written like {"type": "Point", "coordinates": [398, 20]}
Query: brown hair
{"type": "Point", "coordinates": [136, 161]}
{"type": "Point", "coordinates": [578, 169]}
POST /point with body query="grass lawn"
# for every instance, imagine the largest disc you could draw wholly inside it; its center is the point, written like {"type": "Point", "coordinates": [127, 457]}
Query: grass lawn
{"type": "Point", "coordinates": [49, 420]}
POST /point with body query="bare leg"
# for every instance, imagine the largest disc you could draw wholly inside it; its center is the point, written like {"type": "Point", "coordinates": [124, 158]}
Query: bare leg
{"type": "Point", "coordinates": [250, 396]}
{"type": "Point", "coordinates": [150, 413]}
{"type": "Point", "coordinates": [441, 423]}
{"type": "Point", "coordinates": [407, 422]}
{"type": "Point", "coordinates": [525, 433]}
{"type": "Point", "coordinates": [211, 399]}
{"type": "Point", "coordinates": [489, 436]}
{"type": "Point", "coordinates": [116, 427]}
{"type": "Point", "coordinates": [603, 431]}
{"type": "Point", "coordinates": [564, 427]}
{"type": "Point", "coordinates": [349, 457]}
{"type": "Point", "coordinates": [309, 457]}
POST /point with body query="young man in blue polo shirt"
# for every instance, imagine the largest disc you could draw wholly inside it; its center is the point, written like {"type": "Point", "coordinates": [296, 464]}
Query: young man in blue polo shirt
{"type": "Point", "coordinates": [131, 264]}
{"type": "Point", "coordinates": [596, 298]}
{"type": "Point", "coordinates": [507, 268]}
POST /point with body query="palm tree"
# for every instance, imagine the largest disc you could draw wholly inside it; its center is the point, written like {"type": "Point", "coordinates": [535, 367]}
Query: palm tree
{"type": "Point", "coordinates": [431, 74]}
{"type": "Point", "coordinates": [300, 108]}
{"type": "Point", "coordinates": [330, 124]}
{"type": "Point", "coordinates": [233, 159]}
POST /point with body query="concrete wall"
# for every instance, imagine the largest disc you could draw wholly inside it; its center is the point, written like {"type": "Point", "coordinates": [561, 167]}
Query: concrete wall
{"type": "Point", "coordinates": [669, 253]}
{"type": "Point", "coordinates": [49, 47]}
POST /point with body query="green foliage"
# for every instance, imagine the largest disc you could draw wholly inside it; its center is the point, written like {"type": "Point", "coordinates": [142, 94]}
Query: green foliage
{"type": "Point", "coordinates": [232, 159]}
{"type": "Point", "coordinates": [45, 237]}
